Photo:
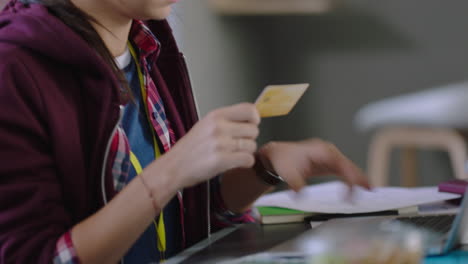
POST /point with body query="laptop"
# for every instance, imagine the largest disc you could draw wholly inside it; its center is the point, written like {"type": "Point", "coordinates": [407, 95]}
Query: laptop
{"type": "Point", "coordinates": [449, 230]}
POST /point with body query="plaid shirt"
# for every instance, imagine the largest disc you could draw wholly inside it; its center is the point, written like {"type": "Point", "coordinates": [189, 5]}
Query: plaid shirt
{"type": "Point", "coordinates": [119, 154]}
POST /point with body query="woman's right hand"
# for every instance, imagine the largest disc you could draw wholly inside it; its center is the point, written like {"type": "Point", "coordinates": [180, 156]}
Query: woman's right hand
{"type": "Point", "coordinates": [224, 139]}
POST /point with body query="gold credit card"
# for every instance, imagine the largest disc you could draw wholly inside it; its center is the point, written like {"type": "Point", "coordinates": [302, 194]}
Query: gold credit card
{"type": "Point", "coordinates": [278, 100]}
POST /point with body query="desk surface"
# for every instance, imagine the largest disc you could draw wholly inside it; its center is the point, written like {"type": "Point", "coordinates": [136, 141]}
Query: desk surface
{"type": "Point", "coordinates": [239, 241]}
{"type": "Point", "coordinates": [244, 240]}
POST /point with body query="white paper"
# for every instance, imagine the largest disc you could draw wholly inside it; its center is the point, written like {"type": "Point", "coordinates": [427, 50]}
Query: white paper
{"type": "Point", "coordinates": [332, 198]}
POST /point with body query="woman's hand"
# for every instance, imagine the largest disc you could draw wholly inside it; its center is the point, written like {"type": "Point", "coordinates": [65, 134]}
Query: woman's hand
{"type": "Point", "coordinates": [223, 140]}
{"type": "Point", "coordinates": [295, 162]}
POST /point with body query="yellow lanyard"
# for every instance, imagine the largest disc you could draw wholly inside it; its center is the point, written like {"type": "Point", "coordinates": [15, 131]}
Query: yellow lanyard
{"type": "Point", "coordinates": [160, 227]}
{"type": "Point", "coordinates": [157, 153]}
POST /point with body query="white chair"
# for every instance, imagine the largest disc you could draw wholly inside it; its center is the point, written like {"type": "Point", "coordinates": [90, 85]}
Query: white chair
{"type": "Point", "coordinates": [431, 119]}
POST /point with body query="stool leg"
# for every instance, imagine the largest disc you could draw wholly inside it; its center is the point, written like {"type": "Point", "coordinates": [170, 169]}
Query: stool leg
{"type": "Point", "coordinates": [408, 167]}
{"type": "Point", "coordinates": [454, 143]}
{"type": "Point", "coordinates": [378, 160]}
{"type": "Point", "coordinates": [411, 137]}
{"type": "Point", "coordinates": [457, 152]}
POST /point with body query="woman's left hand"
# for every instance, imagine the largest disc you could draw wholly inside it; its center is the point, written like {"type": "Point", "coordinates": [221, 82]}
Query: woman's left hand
{"type": "Point", "coordinates": [296, 162]}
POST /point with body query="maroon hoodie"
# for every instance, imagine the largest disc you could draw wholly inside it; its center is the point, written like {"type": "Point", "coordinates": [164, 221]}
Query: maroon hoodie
{"type": "Point", "coordinates": [59, 103]}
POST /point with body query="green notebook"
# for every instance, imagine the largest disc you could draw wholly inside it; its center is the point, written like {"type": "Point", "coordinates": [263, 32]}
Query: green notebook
{"type": "Point", "coordinates": [279, 215]}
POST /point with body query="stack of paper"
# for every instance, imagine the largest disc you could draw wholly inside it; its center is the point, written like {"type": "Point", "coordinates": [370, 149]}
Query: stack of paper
{"type": "Point", "coordinates": [332, 198]}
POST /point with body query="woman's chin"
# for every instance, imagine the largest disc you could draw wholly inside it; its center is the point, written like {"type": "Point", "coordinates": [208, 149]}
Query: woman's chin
{"type": "Point", "coordinates": [158, 14]}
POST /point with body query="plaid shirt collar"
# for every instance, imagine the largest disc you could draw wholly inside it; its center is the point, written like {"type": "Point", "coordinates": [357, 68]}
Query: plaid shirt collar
{"type": "Point", "coordinates": [144, 40]}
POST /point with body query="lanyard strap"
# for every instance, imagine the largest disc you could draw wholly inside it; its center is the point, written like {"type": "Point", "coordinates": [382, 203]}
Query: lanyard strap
{"type": "Point", "coordinates": [144, 96]}
{"type": "Point", "coordinates": [160, 227]}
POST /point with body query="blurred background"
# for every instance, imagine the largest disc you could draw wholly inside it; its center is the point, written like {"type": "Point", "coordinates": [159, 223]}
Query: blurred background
{"type": "Point", "coordinates": [356, 53]}
{"type": "Point", "coordinates": [352, 52]}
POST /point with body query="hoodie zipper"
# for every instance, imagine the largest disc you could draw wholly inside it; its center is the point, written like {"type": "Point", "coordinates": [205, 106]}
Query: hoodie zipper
{"type": "Point", "coordinates": [208, 189]}
{"type": "Point", "coordinates": [106, 155]}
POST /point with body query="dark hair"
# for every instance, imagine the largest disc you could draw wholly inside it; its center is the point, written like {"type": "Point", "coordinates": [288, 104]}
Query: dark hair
{"type": "Point", "coordinates": [80, 22]}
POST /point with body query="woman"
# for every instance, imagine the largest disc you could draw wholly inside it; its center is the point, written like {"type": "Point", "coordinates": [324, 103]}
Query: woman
{"type": "Point", "coordinates": [103, 156]}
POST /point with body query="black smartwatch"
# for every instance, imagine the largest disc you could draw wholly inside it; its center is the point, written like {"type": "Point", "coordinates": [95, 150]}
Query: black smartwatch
{"type": "Point", "coordinates": [264, 174]}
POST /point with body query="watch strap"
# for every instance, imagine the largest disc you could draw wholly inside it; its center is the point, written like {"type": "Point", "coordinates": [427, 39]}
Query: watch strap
{"type": "Point", "coordinates": [267, 176]}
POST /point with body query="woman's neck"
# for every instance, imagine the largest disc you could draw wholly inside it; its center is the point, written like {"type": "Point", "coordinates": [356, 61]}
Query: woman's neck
{"type": "Point", "coordinates": [113, 28]}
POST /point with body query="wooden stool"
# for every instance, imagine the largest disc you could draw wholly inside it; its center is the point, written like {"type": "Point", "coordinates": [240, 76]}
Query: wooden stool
{"type": "Point", "coordinates": [409, 139]}
{"type": "Point", "coordinates": [430, 119]}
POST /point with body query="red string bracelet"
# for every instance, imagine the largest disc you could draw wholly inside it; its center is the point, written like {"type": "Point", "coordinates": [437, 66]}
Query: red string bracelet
{"type": "Point", "coordinates": [150, 194]}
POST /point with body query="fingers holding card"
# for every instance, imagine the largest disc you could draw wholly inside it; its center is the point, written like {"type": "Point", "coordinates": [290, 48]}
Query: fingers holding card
{"type": "Point", "coordinates": [278, 100]}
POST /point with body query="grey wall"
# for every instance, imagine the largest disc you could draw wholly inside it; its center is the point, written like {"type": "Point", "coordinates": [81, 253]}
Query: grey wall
{"type": "Point", "coordinates": [223, 65]}
{"type": "Point", "coordinates": [365, 51]}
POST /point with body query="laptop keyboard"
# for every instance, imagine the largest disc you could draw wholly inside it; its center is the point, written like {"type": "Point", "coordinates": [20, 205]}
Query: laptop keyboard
{"type": "Point", "coordinates": [436, 223]}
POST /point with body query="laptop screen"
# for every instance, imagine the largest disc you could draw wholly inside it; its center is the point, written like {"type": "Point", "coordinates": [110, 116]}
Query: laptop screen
{"type": "Point", "coordinates": [458, 232]}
